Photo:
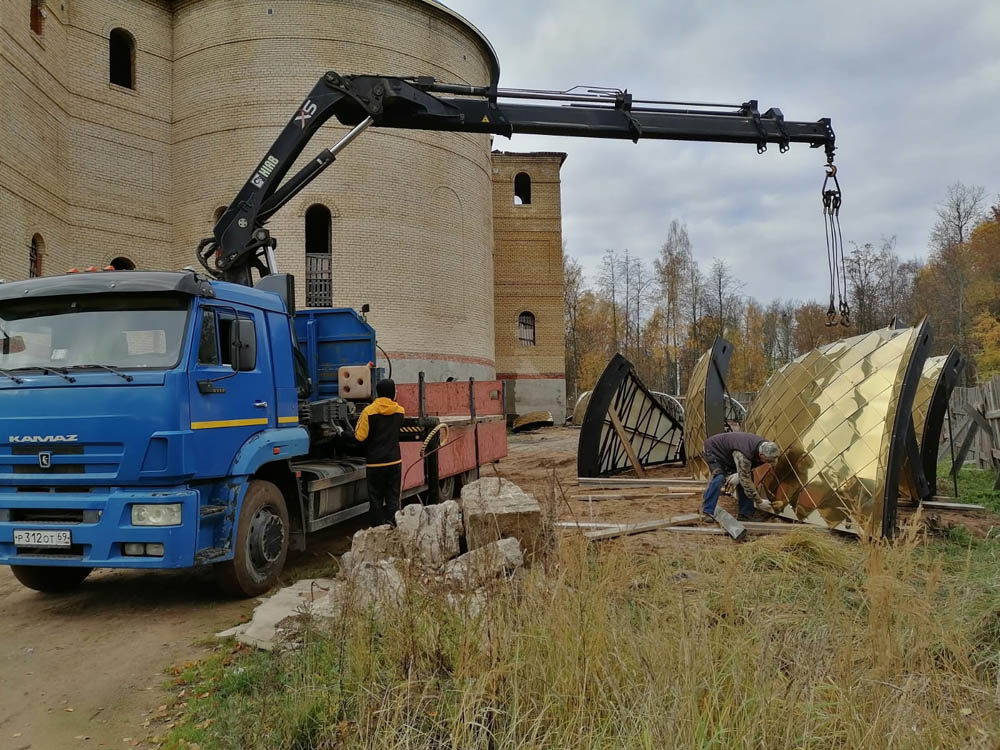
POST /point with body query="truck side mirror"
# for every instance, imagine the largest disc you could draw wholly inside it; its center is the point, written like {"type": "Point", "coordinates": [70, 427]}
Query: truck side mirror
{"type": "Point", "coordinates": [243, 345]}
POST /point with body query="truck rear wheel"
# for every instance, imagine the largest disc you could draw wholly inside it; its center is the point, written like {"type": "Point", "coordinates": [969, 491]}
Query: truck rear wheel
{"type": "Point", "coordinates": [49, 579]}
{"type": "Point", "coordinates": [261, 542]}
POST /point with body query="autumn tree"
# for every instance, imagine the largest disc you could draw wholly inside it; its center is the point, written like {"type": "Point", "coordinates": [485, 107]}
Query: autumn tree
{"type": "Point", "coordinates": [573, 289]}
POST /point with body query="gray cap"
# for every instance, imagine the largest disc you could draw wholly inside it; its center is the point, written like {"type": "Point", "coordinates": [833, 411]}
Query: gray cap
{"type": "Point", "coordinates": [769, 451]}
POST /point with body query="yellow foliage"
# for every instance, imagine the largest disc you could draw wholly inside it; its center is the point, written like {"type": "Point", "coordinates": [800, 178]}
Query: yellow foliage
{"type": "Point", "coordinates": [986, 333]}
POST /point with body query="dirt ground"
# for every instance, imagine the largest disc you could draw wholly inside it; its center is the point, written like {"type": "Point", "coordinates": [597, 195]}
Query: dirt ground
{"type": "Point", "coordinates": [88, 669]}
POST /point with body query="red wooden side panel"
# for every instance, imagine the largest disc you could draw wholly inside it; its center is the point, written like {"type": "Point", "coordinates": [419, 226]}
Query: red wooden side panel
{"type": "Point", "coordinates": [489, 397]}
{"type": "Point", "coordinates": [412, 477]}
{"type": "Point", "coordinates": [407, 396]}
{"type": "Point", "coordinates": [451, 399]}
{"type": "Point", "coordinates": [460, 454]}
{"type": "Point", "coordinates": [492, 441]}
{"type": "Point", "coordinates": [447, 399]}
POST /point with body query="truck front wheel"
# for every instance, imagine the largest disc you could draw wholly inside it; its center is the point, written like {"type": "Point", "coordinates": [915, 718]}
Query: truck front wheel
{"type": "Point", "coordinates": [49, 579]}
{"type": "Point", "coordinates": [261, 542]}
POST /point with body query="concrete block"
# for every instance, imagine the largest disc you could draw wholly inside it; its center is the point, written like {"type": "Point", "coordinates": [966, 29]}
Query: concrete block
{"type": "Point", "coordinates": [485, 563]}
{"type": "Point", "coordinates": [494, 509]}
{"type": "Point", "coordinates": [430, 534]}
{"type": "Point", "coordinates": [371, 545]}
{"type": "Point", "coordinates": [377, 585]}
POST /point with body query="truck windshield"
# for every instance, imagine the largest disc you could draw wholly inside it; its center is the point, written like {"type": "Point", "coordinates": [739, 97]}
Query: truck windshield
{"type": "Point", "coordinates": [116, 330]}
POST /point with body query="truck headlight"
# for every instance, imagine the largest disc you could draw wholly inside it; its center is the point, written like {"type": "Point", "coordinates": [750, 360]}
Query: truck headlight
{"type": "Point", "coordinates": [156, 515]}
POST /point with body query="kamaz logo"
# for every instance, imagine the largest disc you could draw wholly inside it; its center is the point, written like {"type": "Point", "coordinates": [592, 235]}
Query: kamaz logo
{"type": "Point", "coordinates": [43, 438]}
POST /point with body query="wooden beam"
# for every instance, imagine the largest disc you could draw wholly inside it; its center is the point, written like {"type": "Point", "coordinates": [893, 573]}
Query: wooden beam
{"type": "Point", "coordinates": [779, 527]}
{"type": "Point", "coordinates": [734, 528]}
{"type": "Point", "coordinates": [938, 505]}
{"type": "Point", "coordinates": [648, 482]}
{"type": "Point", "coordinates": [706, 530]}
{"type": "Point", "coordinates": [639, 528]}
{"type": "Point", "coordinates": [626, 442]}
{"type": "Point", "coordinates": [586, 525]}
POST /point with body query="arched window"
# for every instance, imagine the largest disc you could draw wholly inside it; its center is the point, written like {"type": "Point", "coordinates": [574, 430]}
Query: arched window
{"type": "Point", "coordinates": [121, 54]}
{"type": "Point", "coordinates": [35, 251]}
{"type": "Point", "coordinates": [37, 16]}
{"type": "Point", "coordinates": [121, 263]}
{"type": "Point", "coordinates": [526, 328]}
{"type": "Point", "coordinates": [522, 189]}
{"type": "Point", "coordinates": [319, 285]}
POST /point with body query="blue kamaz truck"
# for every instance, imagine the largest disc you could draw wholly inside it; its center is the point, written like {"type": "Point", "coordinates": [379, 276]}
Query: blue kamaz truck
{"type": "Point", "coordinates": [172, 419]}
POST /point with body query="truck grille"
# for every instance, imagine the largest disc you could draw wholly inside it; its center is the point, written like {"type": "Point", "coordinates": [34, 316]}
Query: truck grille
{"type": "Point", "coordinates": [61, 459]}
{"type": "Point", "coordinates": [50, 515]}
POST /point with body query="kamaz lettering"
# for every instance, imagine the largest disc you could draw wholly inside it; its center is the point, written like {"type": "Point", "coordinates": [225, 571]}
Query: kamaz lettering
{"type": "Point", "coordinates": [42, 438]}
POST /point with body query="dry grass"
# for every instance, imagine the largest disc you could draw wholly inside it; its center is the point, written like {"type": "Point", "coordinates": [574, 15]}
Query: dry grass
{"type": "Point", "coordinates": [797, 641]}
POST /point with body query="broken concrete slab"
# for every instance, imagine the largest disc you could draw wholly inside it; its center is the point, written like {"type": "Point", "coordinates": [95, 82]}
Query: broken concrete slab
{"type": "Point", "coordinates": [371, 545]}
{"type": "Point", "coordinates": [485, 563]}
{"type": "Point", "coordinates": [497, 508]}
{"type": "Point", "coordinates": [430, 534]}
{"type": "Point", "coordinates": [264, 629]}
{"type": "Point", "coordinates": [377, 585]}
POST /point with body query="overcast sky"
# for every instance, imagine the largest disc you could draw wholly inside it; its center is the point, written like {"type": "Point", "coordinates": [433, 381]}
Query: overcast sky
{"type": "Point", "coordinates": [912, 88]}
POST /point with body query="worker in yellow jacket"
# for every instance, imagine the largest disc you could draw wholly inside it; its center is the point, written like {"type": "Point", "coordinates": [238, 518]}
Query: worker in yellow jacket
{"type": "Point", "coordinates": [378, 428]}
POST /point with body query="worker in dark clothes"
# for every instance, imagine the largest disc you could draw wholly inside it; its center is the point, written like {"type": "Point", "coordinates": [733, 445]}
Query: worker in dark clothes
{"type": "Point", "coordinates": [736, 453]}
{"type": "Point", "coordinates": [378, 428]}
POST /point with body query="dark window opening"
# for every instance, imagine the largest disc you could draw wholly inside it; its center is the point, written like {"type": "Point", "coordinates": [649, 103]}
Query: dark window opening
{"type": "Point", "coordinates": [319, 285]}
{"type": "Point", "coordinates": [37, 16]}
{"type": "Point", "coordinates": [121, 263]}
{"type": "Point", "coordinates": [522, 189]}
{"type": "Point", "coordinates": [318, 220]}
{"type": "Point", "coordinates": [35, 256]}
{"type": "Point", "coordinates": [526, 329]}
{"type": "Point", "coordinates": [208, 340]}
{"type": "Point", "coordinates": [122, 58]}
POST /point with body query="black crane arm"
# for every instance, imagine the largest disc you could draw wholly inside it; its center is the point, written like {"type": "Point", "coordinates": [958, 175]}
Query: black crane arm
{"type": "Point", "coordinates": [241, 242]}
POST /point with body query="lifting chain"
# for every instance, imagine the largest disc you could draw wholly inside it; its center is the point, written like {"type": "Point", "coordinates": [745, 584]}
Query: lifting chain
{"type": "Point", "coordinates": [841, 312]}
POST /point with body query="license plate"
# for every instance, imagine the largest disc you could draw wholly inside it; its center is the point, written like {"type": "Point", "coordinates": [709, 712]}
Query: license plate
{"type": "Point", "coordinates": [31, 538]}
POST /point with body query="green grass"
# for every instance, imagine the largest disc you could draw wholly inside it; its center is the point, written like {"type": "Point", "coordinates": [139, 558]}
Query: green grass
{"type": "Point", "coordinates": [974, 486]}
{"type": "Point", "coordinates": [800, 641]}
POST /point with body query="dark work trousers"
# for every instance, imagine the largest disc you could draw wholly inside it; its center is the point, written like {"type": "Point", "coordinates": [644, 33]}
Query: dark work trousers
{"type": "Point", "coordinates": [711, 497]}
{"type": "Point", "coordinates": [383, 493]}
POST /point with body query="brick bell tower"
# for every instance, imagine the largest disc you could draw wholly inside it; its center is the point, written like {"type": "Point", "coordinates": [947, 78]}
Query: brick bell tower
{"type": "Point", "coordinates": [528, 281]}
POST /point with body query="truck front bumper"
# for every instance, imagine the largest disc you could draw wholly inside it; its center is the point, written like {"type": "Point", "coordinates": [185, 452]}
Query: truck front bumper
{"type": "Point", "coordinates": [99, 525]}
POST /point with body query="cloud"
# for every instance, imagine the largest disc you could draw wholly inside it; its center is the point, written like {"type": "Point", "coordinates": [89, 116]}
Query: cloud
{"type": "Point", "coordinates": [912, 87]}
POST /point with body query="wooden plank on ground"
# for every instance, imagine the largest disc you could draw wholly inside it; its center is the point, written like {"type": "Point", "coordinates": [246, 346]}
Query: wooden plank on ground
{"type": "Point", "coordinates": [586, 525]}
{"type": "Point", "coordinates": [639, 528]}
{"type": "Point", "coordinates": [938, 505]}
{"type": "Point", "coordinates": [725, 519]}
{"type": "Point", "coordinates": [626, 442]}
{"type": "Point", "coordinates": [650, 482]}
{"type": "Point", "coordinates": [619, 493]}
{"type": "Point", "coordinates": [705, 530]}
{"type": "Point", "coordinates": [779, 527]}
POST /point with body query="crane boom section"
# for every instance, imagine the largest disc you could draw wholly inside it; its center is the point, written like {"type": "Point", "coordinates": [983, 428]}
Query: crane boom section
{"type": "Point", "coordinates": [240, 241]}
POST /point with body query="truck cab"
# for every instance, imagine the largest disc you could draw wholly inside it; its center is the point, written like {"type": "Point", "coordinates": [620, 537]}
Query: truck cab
{"type": "Point", "coordinates": [166, 420]}
{"type": "Point", "coordinates": [136, 411]}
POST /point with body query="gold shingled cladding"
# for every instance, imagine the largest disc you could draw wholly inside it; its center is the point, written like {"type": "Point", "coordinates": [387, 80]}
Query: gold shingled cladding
{"type": "Point", "coordinates": [831, 412]}
{"type": "Point", "coordinates": [695, 427]}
